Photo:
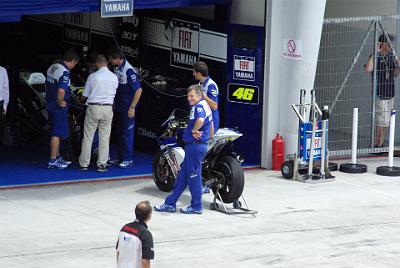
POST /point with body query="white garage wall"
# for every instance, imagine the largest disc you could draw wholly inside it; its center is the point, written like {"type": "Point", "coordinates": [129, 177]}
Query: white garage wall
{"type": "Point", "coordinates": [357, 8]}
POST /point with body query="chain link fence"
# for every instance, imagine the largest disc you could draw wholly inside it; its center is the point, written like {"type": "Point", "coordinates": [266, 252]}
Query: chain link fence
{"type": "Point", "coordinates": [356, 70]}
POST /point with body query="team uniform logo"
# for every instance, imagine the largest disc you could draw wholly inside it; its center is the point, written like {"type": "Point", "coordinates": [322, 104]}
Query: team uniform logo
{"type": "Point", "coordinates": [191, 116]}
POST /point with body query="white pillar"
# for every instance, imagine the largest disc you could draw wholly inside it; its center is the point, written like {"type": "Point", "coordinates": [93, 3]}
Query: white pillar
{"type": "Point", "coordinates": [354, 137]}
{"type": "Point", "coordinates": [391, 136]}
{"type": "Point", "coordinates": [297, 20]}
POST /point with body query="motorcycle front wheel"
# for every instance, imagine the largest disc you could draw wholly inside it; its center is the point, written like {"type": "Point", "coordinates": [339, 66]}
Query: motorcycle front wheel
{"type": "Point", "coordinates": [162, 174]}
{"type": "Point", "coordinates": [232, 179]}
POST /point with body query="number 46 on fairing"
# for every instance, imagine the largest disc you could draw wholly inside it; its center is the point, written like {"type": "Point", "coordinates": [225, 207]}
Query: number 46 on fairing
{"type": "Point", "coordinates": [245, 94]}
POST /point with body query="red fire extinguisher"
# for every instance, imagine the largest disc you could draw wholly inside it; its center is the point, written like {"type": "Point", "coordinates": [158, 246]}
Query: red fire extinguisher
{"type": "Point", "coordinates": [278, 152]}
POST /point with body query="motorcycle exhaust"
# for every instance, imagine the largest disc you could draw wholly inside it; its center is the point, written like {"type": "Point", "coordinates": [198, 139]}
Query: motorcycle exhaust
{"type": "Point", "coordinates": [240, 158]}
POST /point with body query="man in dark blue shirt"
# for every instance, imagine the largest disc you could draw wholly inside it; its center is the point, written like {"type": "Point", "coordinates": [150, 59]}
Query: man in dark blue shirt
{"type": "Point", "coordinates": [125, 102]}
{"type": "Point", "coordinates": [57, 98]}
{"type": "Point", "coordinates": [196, 137]}
{"type": "Point", "coordinates": [387, 68]}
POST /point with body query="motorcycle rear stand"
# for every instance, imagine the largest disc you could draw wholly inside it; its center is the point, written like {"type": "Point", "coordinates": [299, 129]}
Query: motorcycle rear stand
{"type": "Point", "coordinates": [237, 207]}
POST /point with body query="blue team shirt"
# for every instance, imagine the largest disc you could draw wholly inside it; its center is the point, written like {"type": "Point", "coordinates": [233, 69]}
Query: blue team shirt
{"type": "Point", "coordinates": [199, 110]}
{"type": "Point", "coordinates": [58, 76]}
{"type": "Point", "coordinates": [211, 89]}
{"type": "Point", "coordinates": [128, 84]}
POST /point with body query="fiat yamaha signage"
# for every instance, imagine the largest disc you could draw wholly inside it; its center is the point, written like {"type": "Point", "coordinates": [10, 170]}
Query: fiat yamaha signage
{"type": "Point", "coordinates": [185, 44]}
{"type": "Point", "coordinates": [116, 8]}
{"type": "Point", "coordinates": [244, 68]}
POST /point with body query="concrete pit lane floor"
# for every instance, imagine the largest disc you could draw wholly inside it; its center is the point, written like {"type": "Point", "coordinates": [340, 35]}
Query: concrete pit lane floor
{"type": "Point", "coordinates": [351, 222]}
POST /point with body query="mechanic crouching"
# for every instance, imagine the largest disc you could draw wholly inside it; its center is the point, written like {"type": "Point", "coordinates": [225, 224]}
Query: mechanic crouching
{"type": "Point", "coordinates": [57, 97]}
{"type": "Point", "coordinates": [196, 137]}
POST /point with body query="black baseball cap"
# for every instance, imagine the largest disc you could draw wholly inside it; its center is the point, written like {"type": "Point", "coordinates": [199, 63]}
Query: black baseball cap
{"type": "Point", "coordinates": [383, 38]}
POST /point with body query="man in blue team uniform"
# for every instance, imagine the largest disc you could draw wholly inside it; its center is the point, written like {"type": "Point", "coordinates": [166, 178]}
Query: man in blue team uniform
{"type": "Point", "coordinates": [196, 137]}
{"type": "Point", "coordinates": [210, 94]}
{"type": "Point", "coordinates": [126, 100]}
{"type": "Point", "coordinates": [210, 88]}
{"type": "Point", "coordinates": [57, 98]}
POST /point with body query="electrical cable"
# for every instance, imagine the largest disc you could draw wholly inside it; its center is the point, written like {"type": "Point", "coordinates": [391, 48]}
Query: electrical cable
{"type": "Point", "coordinates": [161, 92]}
{"type": "Point", "coordinates": [146, 82]}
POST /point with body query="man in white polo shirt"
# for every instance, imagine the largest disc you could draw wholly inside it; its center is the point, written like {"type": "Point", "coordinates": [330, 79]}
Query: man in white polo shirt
{"type": "Point", "coordinates": [100, 89]}
{"type": "Point", "coordinates": [4, 98]}
{"type": "Point", "coordinates": [4, 90]}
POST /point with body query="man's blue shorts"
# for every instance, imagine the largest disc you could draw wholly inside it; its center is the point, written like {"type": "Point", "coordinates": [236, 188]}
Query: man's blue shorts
{"type": "Point", "coordinates": [59, 123]}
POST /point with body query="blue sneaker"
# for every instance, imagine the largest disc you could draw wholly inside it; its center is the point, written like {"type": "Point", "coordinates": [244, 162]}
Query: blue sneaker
{"type": "Point", "coordinates": [56, 164]}
{"type": "Point", "coordinates": [62, 160]}
{"type": "Point", "coordinates": [205, 189]}
{"type": "Point", "coordinates": [126, 164]}
{"type": "Point", "coordinates": [190, 210]}
{"type": "Point", "coordinates": [165, 208]}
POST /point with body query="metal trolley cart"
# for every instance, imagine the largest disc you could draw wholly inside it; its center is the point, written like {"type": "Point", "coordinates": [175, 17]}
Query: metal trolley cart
{"type": "Point", "coordinates": [312, 154]}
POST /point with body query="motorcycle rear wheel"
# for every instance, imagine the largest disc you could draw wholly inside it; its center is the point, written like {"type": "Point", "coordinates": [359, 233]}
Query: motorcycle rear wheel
{"type": "Point", "coordinates": [162, 174]}
{"type": "Point", "coordinates": [233, 182]}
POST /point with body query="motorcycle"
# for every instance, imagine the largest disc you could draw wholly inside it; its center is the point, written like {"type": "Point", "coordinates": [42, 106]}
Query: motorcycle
{"type": "Point", "coordinates": [33, 125]}
{"type": "Point", "coordinates": [76, 118]}
{"type": "Point", "coordinates": [221, 169]}
{"type": "Point", "coordinates": [31, 115]}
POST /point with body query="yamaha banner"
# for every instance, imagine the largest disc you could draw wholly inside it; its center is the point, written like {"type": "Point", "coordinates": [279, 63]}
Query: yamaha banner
{"type": "Point", "coordinates": [116, 8]}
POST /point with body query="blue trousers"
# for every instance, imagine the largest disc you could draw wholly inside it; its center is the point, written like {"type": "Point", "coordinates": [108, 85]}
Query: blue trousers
{"type": "Point", "coordinates": [190, 175]}
{"type": "Point", "coordinates": [124, 133]}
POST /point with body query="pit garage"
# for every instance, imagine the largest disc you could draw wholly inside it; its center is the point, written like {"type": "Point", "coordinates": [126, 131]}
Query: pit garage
{"type": "Point", "coordinates": [161, 39]}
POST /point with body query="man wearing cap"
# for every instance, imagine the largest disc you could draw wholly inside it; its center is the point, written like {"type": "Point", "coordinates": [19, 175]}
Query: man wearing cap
{"type": "Point", "coordinates": [387, 69]}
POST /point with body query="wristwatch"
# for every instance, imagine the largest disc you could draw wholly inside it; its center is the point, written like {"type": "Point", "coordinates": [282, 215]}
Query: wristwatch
{"type": "Point", "coordinates": [133, 107]}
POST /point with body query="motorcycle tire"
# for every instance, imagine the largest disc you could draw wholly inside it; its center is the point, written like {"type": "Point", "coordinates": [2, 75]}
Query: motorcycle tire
{"type": "Point", "coordinates": [234, 179]}
{"type": "Point", "coordinates": [164, 184]}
